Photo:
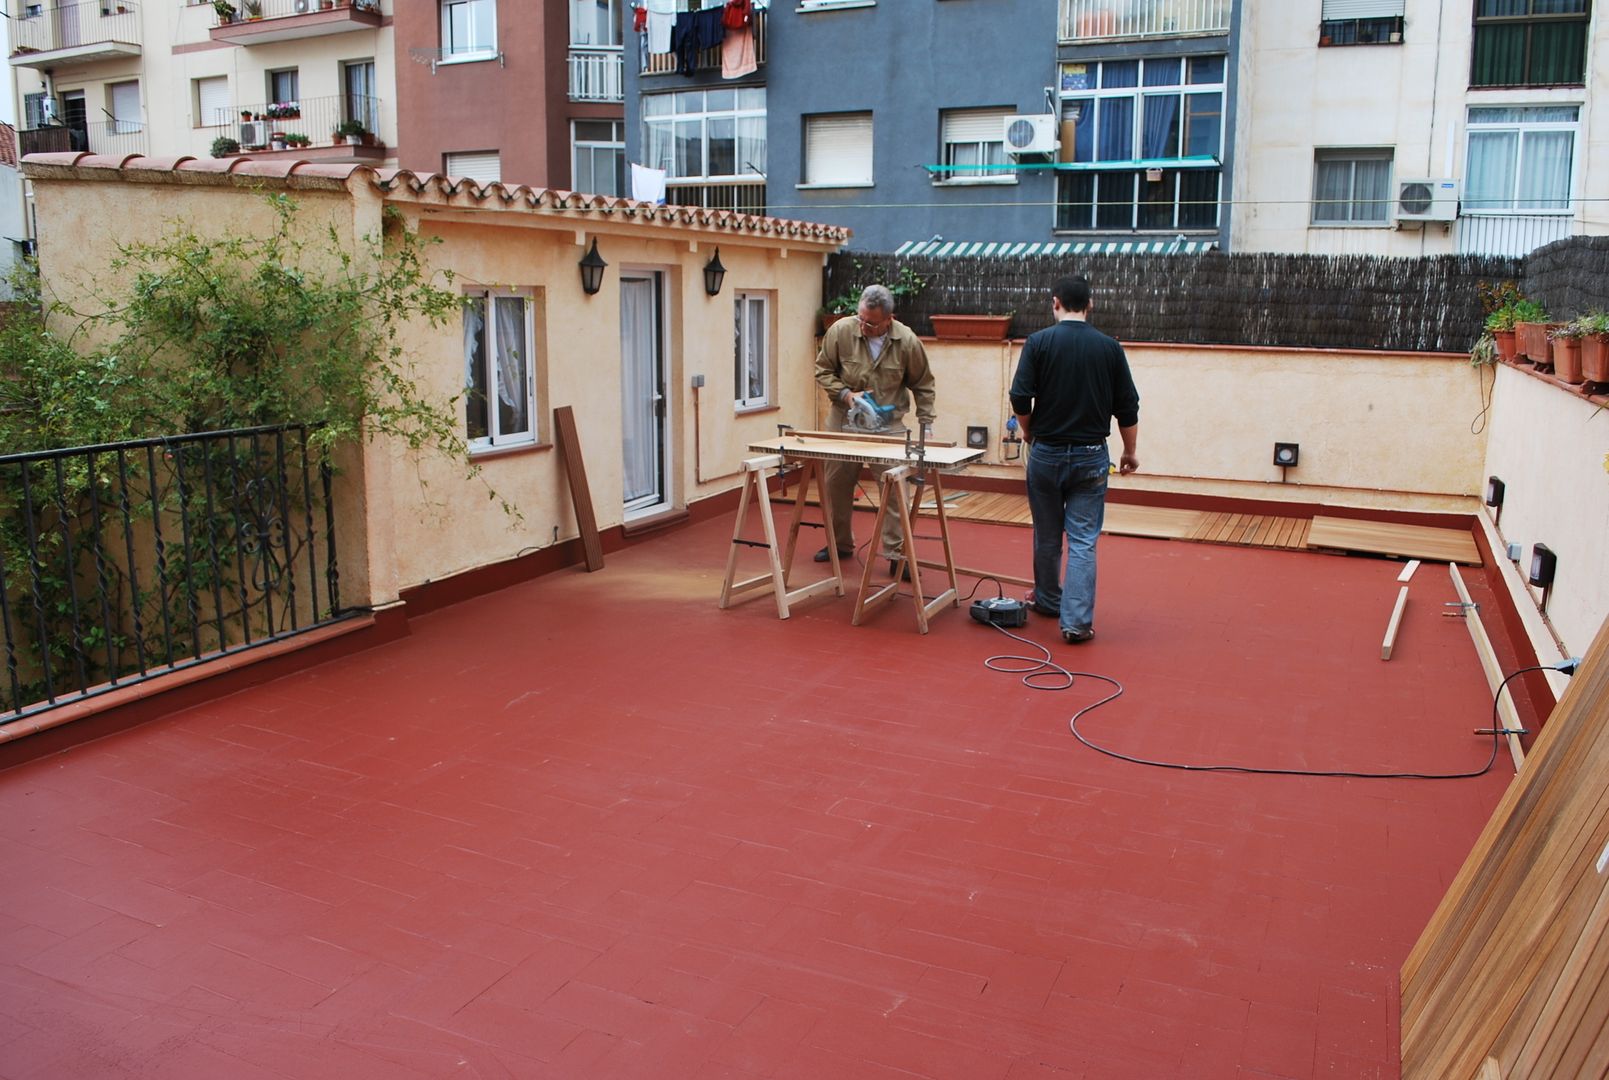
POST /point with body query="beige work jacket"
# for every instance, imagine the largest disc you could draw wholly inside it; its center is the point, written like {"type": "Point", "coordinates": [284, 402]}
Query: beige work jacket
{"type": "Point", "coordinates": [845, 362]}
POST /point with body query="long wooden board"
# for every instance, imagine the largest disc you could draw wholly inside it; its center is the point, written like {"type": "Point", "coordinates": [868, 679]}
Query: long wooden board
{"type": "Point", "coordinates": [1494, 672]}
{"type": "Point", "coordinates": [1395, 624]}
{"type": "Point", "coordinates": [1380, 538]}
{"type": "Point", "coordinates": [580, 494]}
{"type": "Point", "coordinates": [874, 451]}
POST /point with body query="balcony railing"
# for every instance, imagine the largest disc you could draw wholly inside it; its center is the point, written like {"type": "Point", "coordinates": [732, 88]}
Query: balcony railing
{"type": "Point", "coordinates": [709, 59]}
{"type": "Point", "coordinates": [1100, 20]}
{"type": "Point", "coordinates": [115, 137]}
{"type": "Point", "coordinates": [287, 20]}
{"type": "Point", "coordinates": [1511, 234]}
{"type": "Point", "coordinates": [597, 74]}
{"type": "Point", "coordinates": [745, 198]}
{"type": "Point", "coordinates": [254, 126]}
{"type": "Point", "coordinates": [84, 32]}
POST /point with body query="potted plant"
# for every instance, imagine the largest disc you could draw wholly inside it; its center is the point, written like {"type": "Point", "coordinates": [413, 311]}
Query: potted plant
{"type": "Point", "coordinates": [352, 131]}
{"type": "Point", "coordinates": [298, 139]}
{"type": "Point", "coordinates": [225, 11]}
{"type": "Point", "coordinates": [1595, 347]}
{"type": "Point", "coordinates": [1531, 326]}
{"type": "Point", "coordinates": [1566, 343]}
{"type": "Point", "coordinates": [253, 9]}
{"type": "Point", "coordinates": [276, 140]}
{"type": "Point", "coordinates": [905, 285]}
{"type": "Point", "coordinates": [224, 146]}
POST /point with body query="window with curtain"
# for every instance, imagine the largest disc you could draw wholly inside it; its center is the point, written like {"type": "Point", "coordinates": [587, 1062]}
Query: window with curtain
{"type": "Point", "coordinates": [284, 87]}
{"type": "Point", "coordinates": [1521, 158]}
{"type": "Point", "coordinates": [838, 149]}
{"type": "Point", "coordinates": [595, 23]}
{"type": "Point", "coordinates": [499, 370]}
{"type": "Point", "coordinates": [1158, 124]}
{"type": "Point", "coordinates": [468, 29]}
{"type": "Point", "coordinates": [359, 100]}
{"type": "Point", "coordinates": [1351, 187]}
{"type": "Point", "coordinates": [706, 134]}
{"type": "Point", "coordinates": [751, 334]}
{"type": "Point", "coordinates": [1530, 43]}
{"type": "Point", "coordinates": [974, 145]}
{"type": "Point", "coordinates": [1360, 22]}
{"type": "Point", "coordinates": [598, 156]}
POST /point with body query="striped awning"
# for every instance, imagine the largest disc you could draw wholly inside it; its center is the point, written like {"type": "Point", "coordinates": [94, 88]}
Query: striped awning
{"type": "Point", "coordinates": [1008, 249]}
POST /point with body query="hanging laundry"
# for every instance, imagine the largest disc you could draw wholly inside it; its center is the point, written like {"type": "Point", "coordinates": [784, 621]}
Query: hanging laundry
{"type": "Point", "coordinates": [661, 18]}
{"type": "Point", "coordinates": [647, 185]}
{"type": "Point", "coordinates": [738, 14]}
{"type": "Point", "coordinates": [639, 19]}
{"type": "Point", "coordinates": [694, 32]}
{"type": "Point", "coordinates": [737, 53]}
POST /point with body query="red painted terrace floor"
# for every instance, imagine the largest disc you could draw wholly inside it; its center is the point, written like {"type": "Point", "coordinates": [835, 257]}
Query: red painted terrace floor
{"type": "Point", "coordinates": [591, 826]}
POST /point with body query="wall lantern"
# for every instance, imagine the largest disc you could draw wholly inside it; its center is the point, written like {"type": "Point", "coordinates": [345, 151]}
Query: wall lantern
{"type": "Point", "coordinates": [714, 274]}
{"type": "Point", "coordinates": [592, 265]}
{"type": "Point", "coordinates": [1287, 454]}
{"type": "Point", "coordinates": [1494, 498]}
{"type": "Point", "coordinates": [1543, 565]}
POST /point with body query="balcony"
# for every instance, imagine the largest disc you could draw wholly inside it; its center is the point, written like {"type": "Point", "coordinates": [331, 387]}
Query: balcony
{"type": "Point", "coordinates": [117, 137]}
{"type": "Point", "coordinates": [745, 197]}
{"type": "Point", "coordinates": [709, 59]}
{"type": "Point", "coordinates": [597, 74]}
{"type": "Point", "coordinates": [1513, 234]}
{"type": "Point", "coordinates": [74, 34]}
{"type": "Point", "coordinates": [1109, 20]}
{"type": "Point", "coordinates": [288, 20]}
{"type": "Point", "coordinates": [265, 129]}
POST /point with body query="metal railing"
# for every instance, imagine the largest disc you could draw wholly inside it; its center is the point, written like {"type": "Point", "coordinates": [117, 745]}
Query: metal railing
{"type": "Point", "coordinates": [117, 137]}
{"type": "Point", "coordinates": [287, 9]}
{"type": "Point", "coordinates": [747, 198]}
{"type": "Point", "coordinates": [708, 59]}
{"type": "Point", "coordinates": [52, 140]}
{"type": "Point", "coordinates": [1086, 20]}
{"type": "Point", "coordinates": [126, 561]}
{"type": "Point", "coordinates": [70, 26]}
{"type": "Point", "coordinates": [112, 137]}
{"type": "Point", "coordinates": [1478, 233]}
{"type": "Point", "coordinates": [254, 126]}
{"type": "Point", "coordinates": [597, 74]}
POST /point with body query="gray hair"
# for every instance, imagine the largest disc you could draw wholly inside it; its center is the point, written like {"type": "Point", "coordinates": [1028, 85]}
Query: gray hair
{"type": "Point", "coordinates": [878, 296]}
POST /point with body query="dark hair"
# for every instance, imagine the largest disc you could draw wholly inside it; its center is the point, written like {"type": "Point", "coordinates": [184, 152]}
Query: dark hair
{"type": "Point", "coordinates": [1073, 292]}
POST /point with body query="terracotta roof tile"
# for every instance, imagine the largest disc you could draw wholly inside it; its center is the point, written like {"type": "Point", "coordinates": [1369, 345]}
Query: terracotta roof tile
{"type": "Point", "coordinates": [8, 145]}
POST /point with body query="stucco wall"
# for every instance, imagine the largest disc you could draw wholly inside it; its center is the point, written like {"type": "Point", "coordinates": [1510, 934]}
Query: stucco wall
{"type": "Point", "coordinates": [1389, 430]}
{"type": "Point", "coordinates": [1548, 447]}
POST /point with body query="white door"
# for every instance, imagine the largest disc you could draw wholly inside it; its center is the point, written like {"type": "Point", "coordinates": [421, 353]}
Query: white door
{"type": "Point", "coordinates": [642, 389]}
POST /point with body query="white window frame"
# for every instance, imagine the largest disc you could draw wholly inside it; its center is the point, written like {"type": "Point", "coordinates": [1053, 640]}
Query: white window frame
{"type": "Point", "coordinates": [198, 101]}
{"type": "Point", "coordinates": [615, 25]}
{"type": "Point", "coordinates": [494, 439]}
{"type": "Point", "coordinates": [743, 318]}
{"type": "Point", "coordinates": [807, 6]}
{"type": "Point", "coordinates": [477, 50]}
{"type": "Point", "coordinates": [617, 145]}
{"type": "Point", "coordinates": [702, 116]}
{"type": "Point", "coordinates": [1352, 155]}
{"type": "Point", "coordinates": [866, 139]}
{"type": "Point", "coordinates": [125, 125]}
{"type": "Point", "coordinates": [448, 169]}
{"type": "Point", "coordinates": [1002, 173]}
{"type": "Point", "coordinates": [1522, 128]}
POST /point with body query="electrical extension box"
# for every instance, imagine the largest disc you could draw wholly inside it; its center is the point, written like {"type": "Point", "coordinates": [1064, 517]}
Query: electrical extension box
{"type": "Point", "coordinates": [1000, 611]}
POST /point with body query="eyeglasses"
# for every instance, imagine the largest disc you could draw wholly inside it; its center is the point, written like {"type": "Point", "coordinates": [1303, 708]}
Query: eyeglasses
{"type": "Point", "coordinates": [874, 328]}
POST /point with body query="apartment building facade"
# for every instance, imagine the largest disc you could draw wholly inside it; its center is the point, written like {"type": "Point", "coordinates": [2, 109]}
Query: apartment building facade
{"type": "Point", "coordinates": [1014, 122]}
{"type": "Point", "coordinates": [528, 92]}
{"type": "Point", "coordinates": [1421, 127]}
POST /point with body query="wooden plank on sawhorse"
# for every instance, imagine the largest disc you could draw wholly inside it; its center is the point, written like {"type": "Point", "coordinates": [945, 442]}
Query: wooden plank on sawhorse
{"type": "Point", "coordinates": [894, 489]}
{"type": "Point", "coordinates": [576, 470]}
{"type": "Point", "coordinates": [756, 483]}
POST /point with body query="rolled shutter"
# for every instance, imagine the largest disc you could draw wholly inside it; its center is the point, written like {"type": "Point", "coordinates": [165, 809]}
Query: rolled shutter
{"type": "Point", "coordinates": [975, 125]}
{"type": "Point", "coordinates": [1361, 9]}
{"type": "Point", "coordinates": [483, 167]}
{"type": "Point", "coordinates": [838, 149]}
{"type": "Point", "coordinates": [212, 102]}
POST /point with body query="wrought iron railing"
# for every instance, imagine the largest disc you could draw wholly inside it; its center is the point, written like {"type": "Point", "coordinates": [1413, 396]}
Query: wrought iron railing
{"type": "Point", "coordinates": [70, 26]}
{"type": "Point", "coordinates": [745, 198]}
{"type": "Point", "coordinates": [286, 9]}
{"type": "Point", "coordinates": [254, 126]}
{"type": "Point", "coordinates": [1085, 20]}
{"type": "Point", "coordinates": [125, 561]}
{"type": "Point", "coordinates": [708, 59]}
{"type": "Point", "coordinates": [597, 74]}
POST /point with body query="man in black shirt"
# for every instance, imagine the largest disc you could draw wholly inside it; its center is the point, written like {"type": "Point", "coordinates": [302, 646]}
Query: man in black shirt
{"type": "Point", "coordinates": [1071, 381]}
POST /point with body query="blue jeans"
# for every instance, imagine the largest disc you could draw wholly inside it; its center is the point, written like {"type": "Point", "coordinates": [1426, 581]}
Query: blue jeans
{"type": "Point", "coordinates": [1067, 494]}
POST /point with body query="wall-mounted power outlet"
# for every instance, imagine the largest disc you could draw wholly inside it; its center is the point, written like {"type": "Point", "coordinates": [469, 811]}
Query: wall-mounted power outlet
{"type": "Point", "coordinates": [698, 381]}
{"type": "Point", "coordinates": [1514, 550]}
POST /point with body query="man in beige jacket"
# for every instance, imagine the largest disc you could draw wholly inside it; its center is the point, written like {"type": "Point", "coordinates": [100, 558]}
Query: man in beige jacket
{"type": "Point", "coordinates": [871, 352]}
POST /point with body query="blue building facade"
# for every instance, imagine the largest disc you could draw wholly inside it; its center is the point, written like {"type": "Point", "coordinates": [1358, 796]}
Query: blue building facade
{"type": "Point", "coordinates": [949, 125]}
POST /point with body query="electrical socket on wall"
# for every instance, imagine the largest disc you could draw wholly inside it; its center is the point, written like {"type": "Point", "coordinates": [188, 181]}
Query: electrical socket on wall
{"type": "Point", "coordinates": [698, 381]}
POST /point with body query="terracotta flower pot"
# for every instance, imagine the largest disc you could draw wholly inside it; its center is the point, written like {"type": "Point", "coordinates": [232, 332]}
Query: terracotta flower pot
{"type": "Point", "coordinates": [827, 319]}
{"type": "Point", "coordinates": [971, 327]}
{"type": "Point", "coordinates": [1567, 359]}
{"type": "Point", "coordinates": [1533, 341]}
{"type": "Point", "coordinates": [1507, 347]}
{"type": "Point", "coordinates": [1595, 358]}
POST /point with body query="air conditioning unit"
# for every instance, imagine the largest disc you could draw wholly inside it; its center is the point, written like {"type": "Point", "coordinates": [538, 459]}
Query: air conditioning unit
{"type": "Point", "coordinates": [49, 111]}
{"type": "Point", "coordinates": [303, 6]}
{"type": "Point", "coordinates": [1427, 200]}
{"type": "Point", "coordinates": [254, 133]}
{"type": "Point", "coordinates": [1031, 134]}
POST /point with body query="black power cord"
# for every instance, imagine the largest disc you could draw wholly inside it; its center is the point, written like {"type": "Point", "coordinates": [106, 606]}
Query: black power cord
{"type": "Point", "coordinates": [1040, 668]}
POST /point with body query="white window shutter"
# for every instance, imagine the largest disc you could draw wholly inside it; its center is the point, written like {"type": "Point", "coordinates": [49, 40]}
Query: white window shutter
{"type": "Point", "coordinates": [212, 99]}
{"type": "Point", "coordinates": [125, 102]}
{"type": "Point", "coordinates": [483, 167]}
{"type": "Point", "coordinates": [1361, 9]}
{"type": "Point", "coordinates": [838, 149]}
{"type": "Point", "coordinates": [975, 125]}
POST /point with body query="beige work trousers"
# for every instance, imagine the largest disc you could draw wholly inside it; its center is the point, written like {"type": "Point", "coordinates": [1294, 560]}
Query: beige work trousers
{"type": "Point", "coordinates": [840, 482]}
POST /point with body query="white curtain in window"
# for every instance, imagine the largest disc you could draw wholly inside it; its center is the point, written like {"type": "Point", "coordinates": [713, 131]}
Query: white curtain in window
{"type": "Point", "coordinates": [513, 367]}
{"type": "Point", "coordinates": [475, 410]}
{"type": "Point", "coordinates": [1545, 171]}
{"type": "Point", "coordinates": [1489, 181]}
{"type": "Point", "coordinates": [637, 388]}
{"type": "Point", "coordinates": [1332, 181]}
{"type": "Point", "coordinates": [1370, 189]}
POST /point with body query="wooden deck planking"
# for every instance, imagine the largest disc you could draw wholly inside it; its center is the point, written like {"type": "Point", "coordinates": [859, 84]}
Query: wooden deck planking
{"type": "Point", "coordinates": [1380, 538]}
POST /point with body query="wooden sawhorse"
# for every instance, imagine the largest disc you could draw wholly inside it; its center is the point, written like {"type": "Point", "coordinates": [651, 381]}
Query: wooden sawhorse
{"type": "Point", "coordinates": [894, 489]}
{"type": "Point", "coordinates": [757, 472]}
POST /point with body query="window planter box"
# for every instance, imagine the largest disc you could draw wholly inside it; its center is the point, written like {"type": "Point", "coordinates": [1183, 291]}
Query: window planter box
{"type": "Point", "coordinates": [971, 327]}
{"type": "Point", "coordinates": [1567, 360]}
{"type": "Point", "coordinates": [1595, 358]}
{"type": "Point", "coordinates": [1533, 341]}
